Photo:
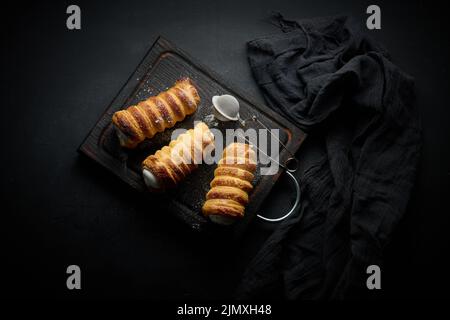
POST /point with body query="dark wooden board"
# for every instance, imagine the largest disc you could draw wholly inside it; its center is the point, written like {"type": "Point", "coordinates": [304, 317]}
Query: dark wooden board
{"type": "Point", "coordinates": [161, 67]}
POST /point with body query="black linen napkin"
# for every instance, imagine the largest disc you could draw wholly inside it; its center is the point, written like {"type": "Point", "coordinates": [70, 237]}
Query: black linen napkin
{"type": "Point", "coordinates": [336, 83]}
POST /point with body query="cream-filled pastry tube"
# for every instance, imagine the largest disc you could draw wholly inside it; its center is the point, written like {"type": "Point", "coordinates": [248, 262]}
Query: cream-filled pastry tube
{"type": "Point", "coordinates": [172, 163]}
{"type": "Point", "coordinates": [232, 183]}
{"type": "Point", "coordinates": [155, 114]}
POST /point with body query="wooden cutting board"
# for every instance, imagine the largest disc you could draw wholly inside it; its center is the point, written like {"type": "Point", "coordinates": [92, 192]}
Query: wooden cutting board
{"type": "Point", "coordinates": [161, 67]}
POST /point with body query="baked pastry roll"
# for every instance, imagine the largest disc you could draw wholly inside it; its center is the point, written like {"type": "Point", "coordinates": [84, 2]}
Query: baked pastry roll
{"type": "Point", "coordinates": [172, 163]}
{"type": "Point", "coordinates": [144, 120]}
{"type": "Point", "coordinates": [228, 196]}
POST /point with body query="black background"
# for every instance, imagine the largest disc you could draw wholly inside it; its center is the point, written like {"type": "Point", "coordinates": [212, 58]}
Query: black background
{"type": "Point", "coordinates": [63, 209]}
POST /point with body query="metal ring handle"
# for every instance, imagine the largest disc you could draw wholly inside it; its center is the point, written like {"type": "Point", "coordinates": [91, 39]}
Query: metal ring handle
{"type": "Point", "coordinates": [291, 164]}
{"type": "Point", "coordinates": [297, 201]}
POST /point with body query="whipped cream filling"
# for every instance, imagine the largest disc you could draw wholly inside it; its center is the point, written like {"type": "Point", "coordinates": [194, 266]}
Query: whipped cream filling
{"type": "Point", "coordinates": [150, 179]}
{"type": "Point", "coordinates": [220, 219]}
{"type": "Point", "coordinates": [123, 139]}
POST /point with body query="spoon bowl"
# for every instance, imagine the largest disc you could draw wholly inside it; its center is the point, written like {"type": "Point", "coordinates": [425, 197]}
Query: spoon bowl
{"type": "Point", "coordinates": [226, 107]}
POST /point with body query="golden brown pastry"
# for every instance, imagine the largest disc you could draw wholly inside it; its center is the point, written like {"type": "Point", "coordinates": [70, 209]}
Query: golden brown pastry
{"type": "Point", "coordinates": [172, 163]}
{"type": "Point", "coordinates": [232, 182]}
{"type": "Point", "coordinates": [136, 123]}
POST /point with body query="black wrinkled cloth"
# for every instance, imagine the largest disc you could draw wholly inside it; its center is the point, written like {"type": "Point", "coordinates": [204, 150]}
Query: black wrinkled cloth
{"type": "Point", "coordinates": [358, 108]}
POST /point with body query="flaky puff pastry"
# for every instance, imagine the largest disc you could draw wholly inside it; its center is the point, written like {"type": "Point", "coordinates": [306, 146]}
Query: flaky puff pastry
{"type": "Point", "coordinates": [172, 163]}
{"type": "Point", "coordinates": [228, 196]}
{"type": "Point", "coordinates": [156, 114]}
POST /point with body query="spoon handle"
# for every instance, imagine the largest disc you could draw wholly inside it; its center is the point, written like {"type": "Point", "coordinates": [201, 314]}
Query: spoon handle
{"type": "Point", "coordinates": [255, 118]}
{"type": "Point", "coordinates": [247, 140]}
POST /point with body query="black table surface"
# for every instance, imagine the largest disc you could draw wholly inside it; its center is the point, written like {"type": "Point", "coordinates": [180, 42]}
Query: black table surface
{"type": "Point", "coordinates": [63, 209]}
